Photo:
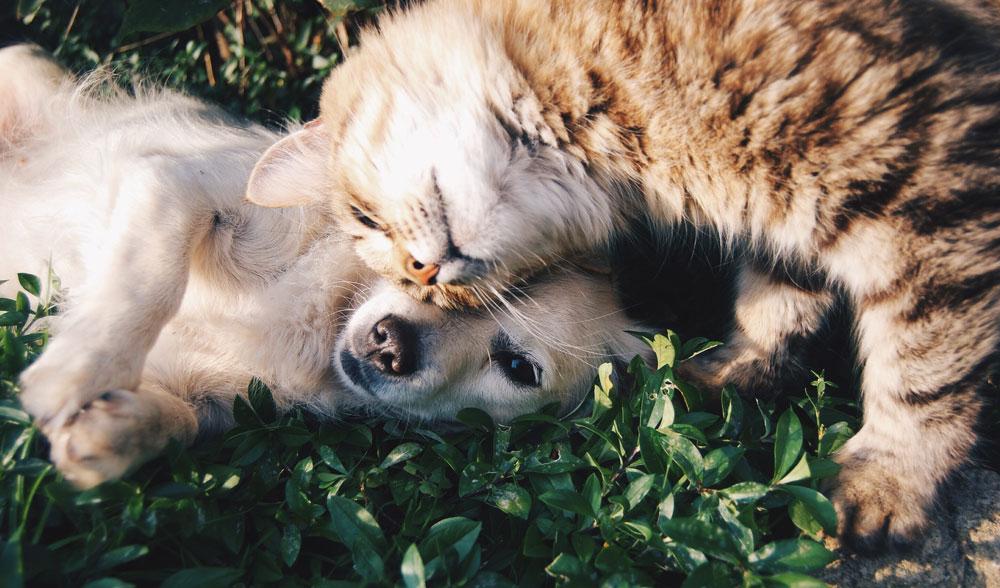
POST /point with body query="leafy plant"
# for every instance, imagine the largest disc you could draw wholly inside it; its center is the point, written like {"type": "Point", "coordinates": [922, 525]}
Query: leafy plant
{"type": "Point", "coordinates": [656, 485]}
{"type": "Point", "coordinates": [260, 58]}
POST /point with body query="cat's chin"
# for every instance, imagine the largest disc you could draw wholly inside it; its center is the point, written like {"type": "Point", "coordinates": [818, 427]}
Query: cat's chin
{"type": "Point", "coordinates": [447, 296]}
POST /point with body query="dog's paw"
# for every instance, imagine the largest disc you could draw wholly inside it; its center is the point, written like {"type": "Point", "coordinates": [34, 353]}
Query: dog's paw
{"type": "Point", "coordinates": [59, 384]}
{"type": "Point", "coordinates": [878, 509]}
{"type": "Point", "coordinates": [106, 438]}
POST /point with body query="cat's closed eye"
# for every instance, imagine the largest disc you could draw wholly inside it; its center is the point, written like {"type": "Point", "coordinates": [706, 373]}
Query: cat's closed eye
{"type": "Point", "coordinates": [364, 219]}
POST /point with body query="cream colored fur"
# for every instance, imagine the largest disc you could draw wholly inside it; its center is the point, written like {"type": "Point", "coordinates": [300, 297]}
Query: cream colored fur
{"type": "Point", "coordinates": [176, 292]}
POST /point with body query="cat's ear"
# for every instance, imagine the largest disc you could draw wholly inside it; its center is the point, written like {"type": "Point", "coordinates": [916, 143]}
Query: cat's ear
{"type": "Point", "coordinates": [293, 171]}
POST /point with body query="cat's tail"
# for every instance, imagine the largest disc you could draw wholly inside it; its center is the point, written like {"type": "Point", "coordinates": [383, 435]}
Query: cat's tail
{"type": "Point", "coordinates": [30, 80]}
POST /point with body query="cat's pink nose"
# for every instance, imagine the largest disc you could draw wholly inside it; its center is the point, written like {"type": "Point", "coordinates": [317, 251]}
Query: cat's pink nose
{"type": "Point", "coordinates": [424, 274]}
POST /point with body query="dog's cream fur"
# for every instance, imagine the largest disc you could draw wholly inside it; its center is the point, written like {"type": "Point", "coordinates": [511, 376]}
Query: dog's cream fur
{"type": "Point", "coordinates": [176, 291]}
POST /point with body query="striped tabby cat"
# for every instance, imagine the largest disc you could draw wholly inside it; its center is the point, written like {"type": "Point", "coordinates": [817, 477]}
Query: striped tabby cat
{"type": "Point", "coordinates": [855, 144]}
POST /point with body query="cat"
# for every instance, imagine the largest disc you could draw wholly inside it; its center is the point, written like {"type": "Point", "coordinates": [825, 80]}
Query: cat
{"type": "Point", "coordinates": [175, 292]}
{"type": "Point", "coordinates": [850, 146]}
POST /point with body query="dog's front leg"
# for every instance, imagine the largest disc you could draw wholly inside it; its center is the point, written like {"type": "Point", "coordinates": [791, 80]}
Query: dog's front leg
{"type": "Point", "coordinates": [133, 288]}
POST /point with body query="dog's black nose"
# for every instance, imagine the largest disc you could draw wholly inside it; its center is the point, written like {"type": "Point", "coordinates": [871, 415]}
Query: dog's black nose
{"type": "Point", "coordinates": [391, 346]}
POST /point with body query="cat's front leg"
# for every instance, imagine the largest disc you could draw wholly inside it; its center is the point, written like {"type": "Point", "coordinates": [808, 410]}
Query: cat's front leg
{"type": "Point", "coordinates": [927, 361]}
{"type": "Point", "coordinates": [774, 317]}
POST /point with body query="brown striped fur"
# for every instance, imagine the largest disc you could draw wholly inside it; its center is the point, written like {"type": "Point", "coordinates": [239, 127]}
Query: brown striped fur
{"type": "Point", "coordinates": [858, 140]}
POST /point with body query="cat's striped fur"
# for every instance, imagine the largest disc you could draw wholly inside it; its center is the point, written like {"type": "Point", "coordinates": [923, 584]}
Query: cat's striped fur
{"type": "Point", "coordinates": [856, 142]}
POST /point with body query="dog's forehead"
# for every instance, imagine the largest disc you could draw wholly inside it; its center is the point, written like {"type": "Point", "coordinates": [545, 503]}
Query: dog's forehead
{"type": "Point", "coordinates": [572, 304]}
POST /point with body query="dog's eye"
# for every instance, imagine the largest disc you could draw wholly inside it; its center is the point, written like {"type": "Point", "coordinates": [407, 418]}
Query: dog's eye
{"type": "Point", "coordinates": [519, 369]}
{"type": "Point", "coordinates": [365, 219]}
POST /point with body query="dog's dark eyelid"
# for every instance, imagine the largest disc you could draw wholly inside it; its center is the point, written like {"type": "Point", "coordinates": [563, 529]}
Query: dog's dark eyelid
{"type": "Point", "coordinates": [517, 365]}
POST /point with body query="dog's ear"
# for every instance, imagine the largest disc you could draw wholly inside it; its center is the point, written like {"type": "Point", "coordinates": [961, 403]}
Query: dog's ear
{"type": "Point", "coordinates": [293, 171]}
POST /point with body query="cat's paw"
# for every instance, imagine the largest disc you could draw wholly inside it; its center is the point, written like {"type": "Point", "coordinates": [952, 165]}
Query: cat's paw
{"type": "Point", "coordinates": [752, 373]}
{"type": "Point", "coordinates": [707, 376]}
{"type": "Point", "coordinates": [107, 437]}
{"type": "Point", "coordinates": [878, 509]}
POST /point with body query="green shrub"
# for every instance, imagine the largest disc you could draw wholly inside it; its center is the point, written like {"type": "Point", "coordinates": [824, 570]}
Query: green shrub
{"type": "Point", "coordinates": [654, 484]}
{"type": "Point", "coordinates": [261, 58]}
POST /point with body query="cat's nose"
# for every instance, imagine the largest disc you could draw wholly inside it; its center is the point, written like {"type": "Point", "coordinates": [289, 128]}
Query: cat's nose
{"type": "Point", "coordinates": [424, 274]}
{"type": "Point", "coordinates": [391, 346]}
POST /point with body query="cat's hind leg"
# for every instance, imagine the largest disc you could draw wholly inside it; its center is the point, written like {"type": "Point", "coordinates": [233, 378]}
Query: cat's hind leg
{"type": "Point", "coordinates": [928, 348]}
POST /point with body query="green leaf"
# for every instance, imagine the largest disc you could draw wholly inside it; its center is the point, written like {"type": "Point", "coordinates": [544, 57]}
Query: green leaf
{"type": "Point", "coordinates": [793, 580]}
{"type": "Point", "coordinates": [719, 463]}
{"type": "Point", "coordinates": [685, 455]}
{"type": "Point", "coordinates": [154, 16]}
{"type": "Point", "coordinates": [291, 543]}
{"type": "Point", "coordinates": [567, 568]}
{"type": "Point", "coordinates": [833, 438]}
{"type": "Point", "coordinates": [452, 535]}
{"type": "Point", "coordinates": [664, 348]}
{"type": "Point", "coordinates": [697, 346]}
{"type": "Point", "coordinates": [108, 583]}
{"type": "Point", "coordinates": [802, 519]}
{"type": "Point", "coordinates": [21, 303]}
{"type": "Point", "coordinates": [791, 555]}
{"type": "Point", "coordinates": [401, 453]}
{"type": "Point", "coordinates": [702, 536]}
{"type": "Point", "coordinates": [638, 489]}
{"type": "Point", "coordinates": [568, 500]}
{"type": "Point", "coordinates": [14, 415]}
{"type": "Point", "coordinates": [339, 9]}
{"type": "Point", "coordinates": [475, 419]}
{"type": "Point", "coordinates": [746, 492]}
{"type": "Point", "coordinates": [511, 499]}
{"type": "Point", "coordinates": [449, 455]}
{"type": "Point", "coordinates": [12, 319]}
{"type": "Point", "coordinates": [565, 462]}
{"type": "Point", "coordinates": [613, 559]}
{"type": "Point", "coordinates": [243, 413]}
{"type": "Point", "coordinates": [817, 505]}
{"type": "Point", "coordinates": [262, 401]}
{"type": "Point", "coordinates": [358, 530]}
{"type": "Point", "coordinates": [800, 472]}
{"type": "Point", "coordinates": [26, 10]}
{"type": "Point", "coordinates": [592, 492]}
{"type": "Point", "coordinates": [12, 561]}
{"type": "Point", "coordinates": [203, 577]}
{"type": "Point", "coordinates": [120, 555]}
{"type": "Point", "coordinates": [30, 283]}
{"type": "Point", "coordinates": [821, 468]}
{"type": "Point", "coordinates": [412, 568]}
{"type": "Point", "coordinates": [732, 413]}
{"type": "Point", "coordinates": [602, 391]}
{"type": "Point", "coordinates": [711, 574]}
{"type": "Point", "coordinates": [474, 477]}
{"type": "Point", "coordinates": [329, 457]}
{"type": "Point", "coordinates": [787, 443]}
{"type": "Point", "coordinates": [653, 452]}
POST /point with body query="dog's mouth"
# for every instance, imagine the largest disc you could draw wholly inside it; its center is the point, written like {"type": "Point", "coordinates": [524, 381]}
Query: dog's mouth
{"type": "Point", "coordinates": [354, 372]}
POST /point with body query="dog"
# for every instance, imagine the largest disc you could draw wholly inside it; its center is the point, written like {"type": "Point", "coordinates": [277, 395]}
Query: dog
{"type": "Point", "coordinates": [175, 291]}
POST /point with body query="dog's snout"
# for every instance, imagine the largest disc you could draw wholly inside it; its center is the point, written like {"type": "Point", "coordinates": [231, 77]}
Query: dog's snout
{"type": "Point", "coordinates": [391, 346]}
